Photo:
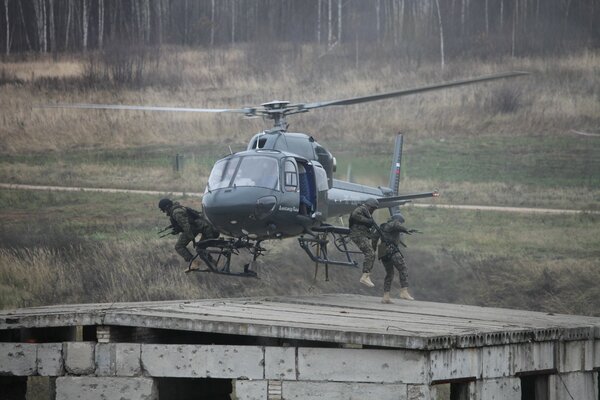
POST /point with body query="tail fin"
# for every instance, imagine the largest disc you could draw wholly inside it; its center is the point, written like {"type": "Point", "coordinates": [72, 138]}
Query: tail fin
{"type": "Point", "coordinates": [394, 182]}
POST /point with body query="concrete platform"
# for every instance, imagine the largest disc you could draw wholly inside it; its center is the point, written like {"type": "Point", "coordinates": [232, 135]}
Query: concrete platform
{"type": "Point", "coordinates": [313, 347]}
{"type": "Point", "coordinates": [339, 318]}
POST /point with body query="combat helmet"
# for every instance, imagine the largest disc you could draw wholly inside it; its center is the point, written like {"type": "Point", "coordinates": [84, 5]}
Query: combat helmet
{"type": "Point", "coordinates": [165, 204]}
{"type": "Point", "coordinates": [372, 202]}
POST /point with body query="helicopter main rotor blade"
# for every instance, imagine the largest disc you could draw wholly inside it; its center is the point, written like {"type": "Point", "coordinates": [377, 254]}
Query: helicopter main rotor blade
{"type": "Point", "coordinates": [406, 92]}
{"type": "Point", "coordinates": [247, 111]}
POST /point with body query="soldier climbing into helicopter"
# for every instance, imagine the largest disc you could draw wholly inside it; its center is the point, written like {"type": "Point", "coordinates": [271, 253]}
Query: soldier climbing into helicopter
{"type": "Point", "coordinates": [363, 234]}
{"type": "Point", "coordinates": [188, 223]}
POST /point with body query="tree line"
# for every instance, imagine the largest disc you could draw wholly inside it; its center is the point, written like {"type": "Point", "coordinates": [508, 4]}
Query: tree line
{"type": "Point", "coordinates": [412, 27]}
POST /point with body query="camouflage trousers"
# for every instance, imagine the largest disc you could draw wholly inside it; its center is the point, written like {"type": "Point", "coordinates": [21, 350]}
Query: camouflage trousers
{"type": "Point", "coordinates": [396, 261]}
{"type": "Point", "coordinates": [365, 244]}
{"type": "Point", "coordinates": [181, 246]}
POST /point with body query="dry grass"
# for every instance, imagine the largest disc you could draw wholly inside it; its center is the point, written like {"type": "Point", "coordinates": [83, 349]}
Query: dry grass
{"type": "Point", "coordinates": [562, 94]}
{"type": "Point", "coordinates": [81, 247]}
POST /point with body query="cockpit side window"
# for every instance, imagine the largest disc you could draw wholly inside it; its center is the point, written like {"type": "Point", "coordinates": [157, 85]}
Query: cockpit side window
{"type": "Point", "coordinates": [258, 171]}
{"type": "Point", "coordinates": [291, 176]}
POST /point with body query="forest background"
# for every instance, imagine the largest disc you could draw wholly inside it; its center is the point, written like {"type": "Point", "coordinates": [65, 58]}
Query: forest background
{"type": "Point", "coordinates": [527, 142]}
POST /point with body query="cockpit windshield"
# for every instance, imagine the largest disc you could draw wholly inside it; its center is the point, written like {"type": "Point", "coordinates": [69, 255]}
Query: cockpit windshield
{"type": "Point", "coordinates": [259, 171]}
{"type": "Point", "coordinates": [222, 172]}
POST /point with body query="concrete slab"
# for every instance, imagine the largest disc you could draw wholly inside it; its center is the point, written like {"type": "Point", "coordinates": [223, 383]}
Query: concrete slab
{"type": "Point", "coordinates": [344, 319]}
{"type": "Point", "coordinates": [420, 392]}
{"type": "Point", "coordinates": [362, 365]}
{"type": "Point", "coordinates": [280, 363]}
{"type": "Point", "coordinates": [103, 388]}
{"type": "Point", "coordinates": [530, 357]}
{"type": "Point", "coordinates": [455, 364]}
{"type": "Point", "coordinates": [342, 391]}
{"type": "Point", "coordinates": [498, 389]}
{"type": "Point", "coordinates": [574, 385]}
{"type": "Point", "coordinates": [50, 360]}
{"type": "Point", "coordinates": [575, 356]}
{"type": "Point", "coordinates": [18, 359]}
{"type": "Point", "coordinates": [203, 361]}
{"type": "Point", "coordinates": [251, 390]}
{"type": "Point", "coordinates": [496, 361]}
{"type": "Point", "coordinates": [79, 357]}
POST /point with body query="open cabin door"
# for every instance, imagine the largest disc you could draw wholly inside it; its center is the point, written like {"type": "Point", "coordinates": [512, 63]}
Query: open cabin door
{"type": "Point", "coordinates": [299, 175]}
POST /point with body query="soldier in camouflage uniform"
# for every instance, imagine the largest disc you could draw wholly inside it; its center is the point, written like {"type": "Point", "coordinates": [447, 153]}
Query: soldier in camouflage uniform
{"type": "Point", "coordinates": [391, 257]}
{"type": "Point", "coordinates": [361, 233]}
{"type": "Point", "coordinates": [188, 225]}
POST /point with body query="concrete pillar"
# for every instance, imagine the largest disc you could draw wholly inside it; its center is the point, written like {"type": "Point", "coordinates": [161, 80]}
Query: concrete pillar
{"type": "Point", "coordinates": [102, 388]}
{"type": "Point", "coordinates": [103, 334]}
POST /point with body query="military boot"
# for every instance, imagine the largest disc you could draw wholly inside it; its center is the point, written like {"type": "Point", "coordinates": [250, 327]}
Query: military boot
{"type": "Point", "coordinates": [405, 295]}
{"type": "Point", "coordinates": [386, 298]}
{"type": "Point", "coordinates": [366, 280]}
{"type": "Point", "coordinates": [194, 266]}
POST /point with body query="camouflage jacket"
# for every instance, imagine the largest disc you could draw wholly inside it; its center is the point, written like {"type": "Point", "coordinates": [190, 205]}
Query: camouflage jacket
{"type": "Point", "coordinates": [181, 219]}
{"type": "Point", "coordinates": [361, 220]}
{"type": "Point", "coordinates": [391, 233]}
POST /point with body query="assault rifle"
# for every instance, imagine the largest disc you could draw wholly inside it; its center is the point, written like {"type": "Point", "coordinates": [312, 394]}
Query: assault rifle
{"type": "Point", "coordinates": [390, 243]}
{"type": "Point", "coordinates": [174, 231]}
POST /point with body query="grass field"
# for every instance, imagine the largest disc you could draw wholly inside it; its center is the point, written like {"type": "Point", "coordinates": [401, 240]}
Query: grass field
{"type": "Point", "coordinates": [81, 247]}
{"type": "Point", "coordinates": [508, 143]}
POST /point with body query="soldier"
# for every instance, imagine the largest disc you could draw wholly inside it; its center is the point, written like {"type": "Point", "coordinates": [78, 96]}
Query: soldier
{"type": "Point", "coordinates": [391, 257]}
{"type": "Point", "coordinates": [188, 223]}
{"type": "Point", "coordinates": [361, 223]}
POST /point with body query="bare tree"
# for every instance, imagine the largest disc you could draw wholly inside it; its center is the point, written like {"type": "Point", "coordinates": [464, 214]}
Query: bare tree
{"type": "Point", "coordinates": [441, 28]}
{"type": "Point", "coordinates": [84, 22]}
{"type": "Point", "coordinates": [68, 24]}
{"type": "Point", "coordinates": [487, 18]}
{"type": "Point", "coordinates": [24, 25]}
{"type": "Point", "coordinates": [7, 27]}
{"type": "Point", "coordinates": [319, 4]}
{"type": "Point", "coordinates": [100, 23]}
{"type": "Point", "coordinates": [329, 25]}
{"type": "Point", "coordinates": [39, 7]}
{"type": "Point", "coordinates": [378, 19]}
{"type": "Point", "coordinates": [212, 23]}
{"type": "Point", "coordinates": [52, 31]}
{"type": "Point", "coordinates": [339, 35]}
{"type": "Point", "coordinates": [233, 21]}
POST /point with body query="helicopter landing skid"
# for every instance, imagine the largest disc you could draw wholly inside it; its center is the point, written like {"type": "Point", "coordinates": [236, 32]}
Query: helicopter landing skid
{"type": "Point", "coordinates": [216, 255]}
{"type": "Point", "coordinates": [322, 236]}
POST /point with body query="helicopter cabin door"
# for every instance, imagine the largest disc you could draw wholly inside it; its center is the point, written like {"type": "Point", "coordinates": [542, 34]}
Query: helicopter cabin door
{"type": "Point", "coordinates": [299, 176]}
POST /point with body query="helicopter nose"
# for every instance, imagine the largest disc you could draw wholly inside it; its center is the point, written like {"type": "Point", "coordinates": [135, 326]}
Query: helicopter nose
{"type": "Point", "coordinates": [238, 209]}
{"type": "Point", "coordinates": [265, 207]}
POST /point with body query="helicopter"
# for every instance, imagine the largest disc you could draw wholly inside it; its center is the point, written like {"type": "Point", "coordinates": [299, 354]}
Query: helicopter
{"type": "Point", "coordinates": [283, 185]}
